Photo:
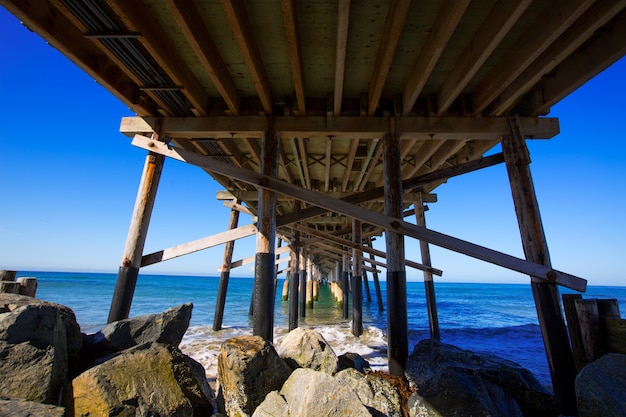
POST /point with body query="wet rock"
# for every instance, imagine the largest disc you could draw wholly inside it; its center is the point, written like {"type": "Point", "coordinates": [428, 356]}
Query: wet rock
{"type": "Point", "coordinates": [453, 381]}
{"type": "Point", "coordinates": [355, 361]}
{"type": "Point", "coordinates": [248, 369]}
{"type": "Point", "coordinates": [378, 395]}
{"type": "Point", "coordinates": [151, 379]}
{"type": "Point", "coordinates": [600, 387]}
{"type": "Point", "coordinates": [307, 348]}
{"type": "Point", "coordinates": [21, 408]}
{"type": "Point", "coordinates": [39, 341]}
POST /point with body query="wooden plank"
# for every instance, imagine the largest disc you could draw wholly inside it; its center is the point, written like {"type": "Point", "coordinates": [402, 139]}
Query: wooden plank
{"type": "Point", "coordinates": [394, 23]}
{"type": "Point", "coordinates": [615, 330]}
{"type": "Point", "coordinates": [343, 21]}
{"type": "Point", "coordinates": [187, 16]}
{"type": "Point", "coordinates": [250, 259]}
{"type": "Point", "coordinates": [244, 35]}
{"type": "Point", "coordinates": [422, 128]}
{"type": "Point", "coordinates": [368, 216]}
{"type": "Point", "coordinates": [573, 326]}
{"type": "Point", "coordinates": [590, 331]}
{"type": "Point", "coordinates": [497, 25]}
{"type": "Point", "coordinates": [545, 29]}
{"type": "Point", "coordinates": [295, 52]}
{"type": "Point", "coordinates": [447, 20]}
{"type": "Point", "coordinates": [198, 245]}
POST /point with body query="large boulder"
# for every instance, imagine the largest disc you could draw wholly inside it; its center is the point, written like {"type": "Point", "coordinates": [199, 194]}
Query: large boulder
{"type": "Point", "coordinates": [21, 408]}
{"type": "Point", "coordinates": [306, 348]}
{"type": "Point", "coordinates": [39, 344]}
{"type": "Point", "coordinates": [248, 369]}
{"type": "Point", "coordinates": [600, 387]}
{"type": "Point", "coordinates": [453, 381]}
{"type": "Point", "coordinates": [377, 394]}
{"type": "Point", "coordinates": [353, 360]}
{"type": "Point", "coordinates": [312, 393]}
{"type": "Point", "coordinates": [151, 379]}
{"type": "Point", "coordinates": [167, 327]}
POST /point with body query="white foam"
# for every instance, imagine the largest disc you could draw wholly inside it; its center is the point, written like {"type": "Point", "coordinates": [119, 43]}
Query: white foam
{"type": "Point", "coordinates": [203, 344]}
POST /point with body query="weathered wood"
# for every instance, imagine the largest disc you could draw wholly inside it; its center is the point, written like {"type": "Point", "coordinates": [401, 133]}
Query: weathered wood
{"type": "Point", "coordinates": [28, 286]}
{"type": "Point", "coordinates": [222, 288]}
{"type": "Point", "coordinates": [6, 275]}
{"type": "Point", "coordinates": [614, 329]}
{"type": "Point", "coordinates": [136, 238]}
{"type": "Point", "coordinates": [573, 327]}
{"type": "Point", "coordinates": [368, 216]}
{"type": "Point", "coordinates": [415, 128]}
{"type": "Point", "coordinates": [429, 284]}
{"type": "Point", "coordinates": [303, 278]}
{"type": "Point", "coordinates": [357, 283]}
{"type": "Point", "coordinates": [379, 295]}
{"type": "Point", "coordinates": [345, 283]}
{"type": "Point", "coordinates": [263, 315]}
{"type": "Point", "coordinates": [199, 244]}
{"type": "Point", "coordinates": [397, 318]}
{"type": "Point", "coordinates": [546, 296]}
{"type": "Point", "coordinates": [590, 330]}
{"type": "Point", "coordinates": [294, 281]}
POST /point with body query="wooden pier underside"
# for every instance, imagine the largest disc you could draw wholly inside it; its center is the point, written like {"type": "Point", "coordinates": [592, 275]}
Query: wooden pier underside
{"type": "Point", "coordinates": [367, 107]}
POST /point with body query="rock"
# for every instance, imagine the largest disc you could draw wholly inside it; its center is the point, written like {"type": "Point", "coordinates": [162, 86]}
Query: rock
{"type": "Point", "coordinates": [311, 393]}
{"type": "Point", "coordinates": [353, 360]}
{"type": "Point", "coordinates": [167, 327]}
{"type": "Point", "coordinates": [307, 348]}
{"type": "Point", "coordinates": [378, 395]}
{"type": "Point", "coordinates": [150, 379]}
{"type": "Point", "coordinates": [600, 387]}
{"type": "Point", "coordinates": [39, 341]}
{"type": "Point", "coordinates": [454, 381]}
{"type": "Point", "coordinates": [248, 369]}
{"type": "Point", "coordinates": [21, 408]}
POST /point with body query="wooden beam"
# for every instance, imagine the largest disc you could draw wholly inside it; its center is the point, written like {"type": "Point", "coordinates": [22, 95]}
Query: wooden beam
{"type": "Point", "coordinates": [601, 50]}
{"type": "Point", "coordinates": [497, 25]}
{"type": "Point", "coordinates": [250, 259]}
{"type": "Point", "coordinates": [546, 28]}
{"type": "Point", "coordinates": [343, 22]}
{"type": "Point", "coordinates": [367, 216]}
{"type": "Point", "coordinates": [189, 19]}
{"type": "Point", "coordinates": [198, 245]}
{"type": "Point", "coordinates": [354, 145]}
{"type": "Point", "coordinates": [423, 128]}
{"type": "Point", "coordinates": [244, 35]}
{"type": "Point", "coordinates": [394, 23]}
{"type": "Point", "coordinates": [137, 17]}
{"type": "Point", "coordinates": [295, 52]}
{"type": "Point", "coordinates": [304, 162]}
{"type": "Point", "coordinates": [51, 24]}
{"type": "Point", "coordinates": [449, 16]}
{"type": "Point", "coordinates": [594, 18]}
{"type": "Point", "coordinates": [327, 163]}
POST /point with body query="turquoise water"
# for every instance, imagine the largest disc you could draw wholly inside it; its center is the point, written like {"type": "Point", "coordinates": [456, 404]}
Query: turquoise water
{"type": "Point", "coordinates": [495, 318]}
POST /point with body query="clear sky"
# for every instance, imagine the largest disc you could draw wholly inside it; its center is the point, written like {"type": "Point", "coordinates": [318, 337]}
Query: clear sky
{"type": "Point", "coordinates": [68, 181]}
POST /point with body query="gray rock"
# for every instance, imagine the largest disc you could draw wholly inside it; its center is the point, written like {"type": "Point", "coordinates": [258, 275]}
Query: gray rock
{"type": "Point", "coordinates": [21, 408]}
{"type": "Point", "coordinates": [307, 348]}
{"type": "Point", "coordinates": [151, 379]}
{"type": "Point", "coordinates": [167, 327]}
{"type": "Point", "coordinates": [377, 394]}
{"type": "Point", "coordinates": [248, 369]}
{"type": "Point", "coordinates": [312, 393]}
{"type": "Point", "coordinates": [601, 387]}
{"type": "Point", "coordinates": [274, 405]}
{"type": "Point", "coordinates": [457, 382]}
{"type": "Point", "coordinates": [355, 361]}
{"type": "Point", "coordinates": [38, 343]}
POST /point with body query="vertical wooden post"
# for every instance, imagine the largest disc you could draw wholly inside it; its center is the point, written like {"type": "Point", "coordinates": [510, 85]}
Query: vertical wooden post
{"type": "Point", "coordinates": [573, 326]}
{"type": "Point", "coordinates": [547, 302]}
{"type": "Point", "coordinates": [397, 317]}
{"type": "Point", "coordinates": [338, 284]}
{"type": "Point", "coordinates": [222, 288]}
{"type": "Point", "coordinates": [366, 284]}
{"type": "Point", "coordinates": [302, 283]}
{"type": "Point", "coordinates": [276, 271]}
{"type": "Point", "coordinates": [294, 280]}
{"type": "Point", "coordinates": [309, 283]}
{"type": "Point", "coordinates": [136, 238]}
{"type": "Point", "coordinates": [379, 295]}
{"type": "Point", "coordinates": [345, 277]}
{"type": "Point", "coordinates": [263, 315]}
{"type": "Point", "coordinates": [357, 284]}
{"type": "Point", "coordinates": [429, 284]}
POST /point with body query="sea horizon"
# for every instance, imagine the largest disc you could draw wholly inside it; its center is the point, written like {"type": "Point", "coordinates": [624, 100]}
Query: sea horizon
{"type": "Point", "coordinates": [495, 318]}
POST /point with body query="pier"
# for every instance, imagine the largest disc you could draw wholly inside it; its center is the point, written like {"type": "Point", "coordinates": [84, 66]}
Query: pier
{"type": "Point", "coordinates": [329, 124]}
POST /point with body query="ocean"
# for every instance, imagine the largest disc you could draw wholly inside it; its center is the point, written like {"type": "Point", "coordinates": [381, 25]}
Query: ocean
{"type": "Point", "coordinates": [495, 318]}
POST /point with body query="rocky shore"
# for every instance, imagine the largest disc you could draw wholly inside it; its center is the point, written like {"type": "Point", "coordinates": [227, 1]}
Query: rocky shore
{"type": "Point", "coordinates": [134, 368]}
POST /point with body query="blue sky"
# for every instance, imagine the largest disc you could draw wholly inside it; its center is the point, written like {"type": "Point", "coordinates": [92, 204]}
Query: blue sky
{"type": "Point", "coordinates": [68, 181]}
